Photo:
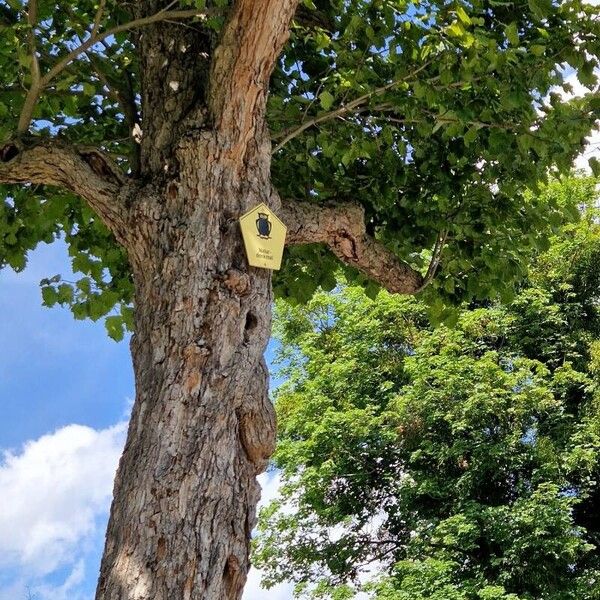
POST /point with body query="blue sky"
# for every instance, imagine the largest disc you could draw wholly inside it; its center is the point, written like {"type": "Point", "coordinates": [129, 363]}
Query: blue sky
{"type": "Point", "coordinates": [65, 394]}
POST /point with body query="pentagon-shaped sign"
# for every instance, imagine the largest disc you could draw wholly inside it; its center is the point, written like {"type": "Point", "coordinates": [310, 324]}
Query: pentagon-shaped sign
{"type": "Point", "coordinates": [264, 237]}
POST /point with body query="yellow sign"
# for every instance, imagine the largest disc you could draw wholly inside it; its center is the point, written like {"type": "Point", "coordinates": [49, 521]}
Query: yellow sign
{"type": "Point", "coordinates": [264, 237]}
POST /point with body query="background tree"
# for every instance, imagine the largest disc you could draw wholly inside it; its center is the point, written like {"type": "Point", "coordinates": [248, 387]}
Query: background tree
{"type": "Point", "coordinates": [140, 132]}
{"type": "Point", "coordinates": [455, 463]}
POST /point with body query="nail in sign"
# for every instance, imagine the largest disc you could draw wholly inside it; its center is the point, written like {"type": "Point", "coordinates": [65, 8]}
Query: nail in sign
{"type": "Point", "coordinates": [264, 237]}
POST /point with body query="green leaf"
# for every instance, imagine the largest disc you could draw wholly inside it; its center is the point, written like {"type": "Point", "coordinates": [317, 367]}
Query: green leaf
{"type": "Point", "coordinates": [463, 16]}
{"type": "Point", "coordinates": [49, 296]}
{"type": "Point", "coordinates": [594, 166]}
{"type": "Point", "coordinates": [326, 99]}
{"type": "Point", "coordinates": [89, 89]}
{"type": "Point", "coordinates": [512, 34]}
{"type": "Point", "coordinates": [456, 29]}
{"type": "Point", "coordinates": [540, 8]}
{"type": "Point", "coordinates": [114, 327]}
{"type": "Point", "coordinates": [538, 49]}
{"type": "Point", "coordinates": [471, 135]}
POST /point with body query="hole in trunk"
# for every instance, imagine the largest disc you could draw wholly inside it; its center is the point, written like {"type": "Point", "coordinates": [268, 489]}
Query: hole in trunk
{"type": "Point", "coordinates": [8, 152]}
{"type": "Point", "coordinates": [251, 322]}
{"type": "Point", "coordinates": [231, 576]}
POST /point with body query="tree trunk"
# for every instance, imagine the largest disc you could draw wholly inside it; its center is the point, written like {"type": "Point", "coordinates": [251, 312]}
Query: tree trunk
{"type": "Point", "coordinates": [202, 426]}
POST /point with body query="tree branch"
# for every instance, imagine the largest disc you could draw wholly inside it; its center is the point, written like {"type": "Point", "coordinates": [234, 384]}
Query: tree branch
{"type": "Point", "coordinates": [289, 134]}
{"type": "Point", "coordinates": [85, 171]}
{"type": "Point", "coordinates": [98, 17]}
{"type": "Point", "coordinates": [436, 258]}
{"type": "Point", "coordinates": [342, 228]}
{"type": "Point", "coordinates": [95, 38]}
{"type": "Point", "coordinates": [242, 65]}
{"type": "Point", "coordinates": [35, 87]}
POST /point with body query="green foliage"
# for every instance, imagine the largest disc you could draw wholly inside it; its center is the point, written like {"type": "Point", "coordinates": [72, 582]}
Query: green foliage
{"type": "Point", "coordinates": [460, 114]}
{"type": "Point", "coordinates": [456, 112]}
{"type": "Point", "coordinates": [463, 462]}
{"type": "Point", "coordinates": [77, 107]}
{"type": "Point", "coordinates": [105, 285]}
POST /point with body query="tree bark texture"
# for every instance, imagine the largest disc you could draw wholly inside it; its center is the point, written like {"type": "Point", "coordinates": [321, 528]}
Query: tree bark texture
{"type": "Point", "coordinates": [202, 425]}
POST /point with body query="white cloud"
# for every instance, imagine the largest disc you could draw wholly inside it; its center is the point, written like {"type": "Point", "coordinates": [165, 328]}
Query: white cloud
{"type": "Point", "coordinates": [53, 492]}
{"type": "Point", "coordinates": [55, 495]}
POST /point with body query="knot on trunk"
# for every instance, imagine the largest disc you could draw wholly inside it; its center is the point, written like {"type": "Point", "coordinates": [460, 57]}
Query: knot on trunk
{"type": "Point", "coordinates": [257, 426]}
{"type": "Point", "coordinates": [344, 245]}
{"type": "Point", "coordinates": [237, 281]}
{"type": "Point", "coordinates": [8, 152]}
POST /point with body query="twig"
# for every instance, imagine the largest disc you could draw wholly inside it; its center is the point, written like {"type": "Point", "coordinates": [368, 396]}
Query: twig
{"type": "Point", "coordinates": [95, 38]}
{"type": "Point", "coordinates": [316, 96]}
{"type": "Point", "coordinates": [290, 134]}
{"type": "Point", "coordinates": [435, 260]}
{"type": "Point", "coordinates": [98, 17]}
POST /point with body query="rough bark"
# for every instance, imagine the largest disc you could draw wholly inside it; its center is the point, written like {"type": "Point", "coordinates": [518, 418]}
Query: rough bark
{"type": "Point", "coordinates": [342, 228]}
{"type": "Point", "coordinates": [85, 171]}
{"type": "Point", "coordinates": [174, 67]}
{"type": "Point", "coordinates": [202, 425]}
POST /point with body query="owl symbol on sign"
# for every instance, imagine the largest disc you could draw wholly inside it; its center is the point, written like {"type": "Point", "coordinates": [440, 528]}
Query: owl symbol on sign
{"type": "Point", "coordinates": [263, 226]}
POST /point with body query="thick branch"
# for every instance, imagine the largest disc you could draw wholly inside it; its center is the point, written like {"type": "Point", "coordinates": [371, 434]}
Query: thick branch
{"type": "Point", "coordinates": [85, 171]}
{"type": "Point", "coordinates": [242, 65]}
{"type": "Point", "coordinates": [342, 228]}
{"type": "Point", "coordinates": [35, 86]}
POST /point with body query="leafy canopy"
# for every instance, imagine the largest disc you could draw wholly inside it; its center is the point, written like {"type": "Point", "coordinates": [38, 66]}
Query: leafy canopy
{"type": "Point", "coordinates": [453, 463]}
{"type": "Point", "coordinates": [435, 116]}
